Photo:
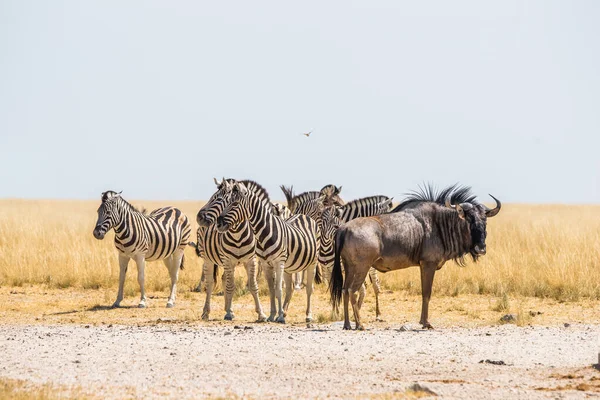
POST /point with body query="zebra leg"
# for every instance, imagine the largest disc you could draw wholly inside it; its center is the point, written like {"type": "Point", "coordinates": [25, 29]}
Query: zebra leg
{"type": "Point", "coordinates": [123, 262]}
{"type": "Point", "coordinates": [310, 275]}
{"type": "Point", "coordinates": [289, 291]}
{"type": "Point", "coordinates": [229, 289]}
{"type": "Point", "coordinates": [298, 280]}
{"type": "Point", "coordinates": [208, 270]}
{"type": "Point", "coordinates": [141, 265]}
{"type": "Point", "coordinates": [278, 281]}
{"type": "Point", "coordinates": [173, 265]}
{"type": "Point", "coordinates": [270, 278]}
{"type": "Point", "coordinates": [251, 269]}
{"type": "Point", "coordinates": [202, 282]}
{"type": "Point", "coordinates": [377, 289]}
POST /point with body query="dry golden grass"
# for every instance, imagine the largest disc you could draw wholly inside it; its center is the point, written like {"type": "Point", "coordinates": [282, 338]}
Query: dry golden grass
{"type": "Point", "coordinates": [538, 257]}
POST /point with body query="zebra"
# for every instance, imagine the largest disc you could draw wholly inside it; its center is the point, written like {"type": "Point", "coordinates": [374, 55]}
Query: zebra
{"type": "Point", "coordinates": [160, 235]}
{"type": "Point", "coordinates": [333, 217]}
{"type": "Point", "coordinates": [311, 204]}
{"type": "Point", "coordinates": [228, 249]}
{"type": "Point", "coordinates": [288, 246]}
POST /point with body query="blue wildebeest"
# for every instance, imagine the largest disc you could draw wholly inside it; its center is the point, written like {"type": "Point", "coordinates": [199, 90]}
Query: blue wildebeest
{"type": "Point", "coordinates": [425, 230]}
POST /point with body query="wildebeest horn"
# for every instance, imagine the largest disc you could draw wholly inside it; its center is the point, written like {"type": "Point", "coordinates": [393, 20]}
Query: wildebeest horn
{"type": "Point", "coordinates": [448, 203]}
{"type": "Point", "coordinates": [492, 212]}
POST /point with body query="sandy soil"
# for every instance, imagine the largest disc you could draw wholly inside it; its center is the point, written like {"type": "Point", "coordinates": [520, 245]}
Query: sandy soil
{"type": "Point", "coordinates": [269, 360]}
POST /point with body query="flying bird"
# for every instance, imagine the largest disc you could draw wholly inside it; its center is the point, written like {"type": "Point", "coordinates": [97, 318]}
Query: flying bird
{"type": "Point", "coordinates": [307, 134]}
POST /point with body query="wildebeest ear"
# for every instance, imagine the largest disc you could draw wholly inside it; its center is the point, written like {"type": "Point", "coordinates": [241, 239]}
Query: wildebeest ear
{"type": "Point", "coordinates": [461, 212]}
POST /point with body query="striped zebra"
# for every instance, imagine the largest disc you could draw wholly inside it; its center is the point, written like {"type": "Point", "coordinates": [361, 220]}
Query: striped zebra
{"type": "Point", "coordinates": [227, 249]}
{"type": "Point", "coordinates": [159, 235]}
{"type": "Point", "coordinates": [288, 246]}
{"type": "Point", "coordinates": [311, 204]}
{"type": "Point", "coordinates": [333, 217]}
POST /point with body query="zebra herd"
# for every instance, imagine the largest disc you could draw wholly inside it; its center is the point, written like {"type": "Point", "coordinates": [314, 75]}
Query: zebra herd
{"type": "Point", "coordinates": [240, 225]}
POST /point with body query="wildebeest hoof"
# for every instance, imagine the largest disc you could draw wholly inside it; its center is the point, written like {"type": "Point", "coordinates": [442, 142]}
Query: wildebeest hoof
{"type": "Point", "coordinates": [170, 305]}
{"type": "Point", "coordinates": [116, 305]}
{"type": "Point", "coordinates": [427, 325]}
{"type": "Point", "coordinates": [205, 315]}
{"type": "Point", "coordinates": [360, 328]}
{"type": "Point", "coordinates": [347, 327]}
{"type": "Point", "coordinates": [229, 317]}
{"type": "Point", "coordinates": [280, 320]}
{"type": "Point", "coordinates": [271, 318]}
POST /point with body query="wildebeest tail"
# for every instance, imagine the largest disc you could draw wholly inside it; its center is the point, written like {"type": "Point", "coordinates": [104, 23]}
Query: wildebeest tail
{"type": "Point", "coordinates": [336, 284]}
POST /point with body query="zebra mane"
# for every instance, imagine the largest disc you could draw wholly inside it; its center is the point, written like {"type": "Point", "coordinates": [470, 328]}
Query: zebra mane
{"type": "Point", "coordinates": [429, 194]}
{"type": "Point", "coordinates": [377, 199]}
{"type": "Point", "coordinates": [258, 190]}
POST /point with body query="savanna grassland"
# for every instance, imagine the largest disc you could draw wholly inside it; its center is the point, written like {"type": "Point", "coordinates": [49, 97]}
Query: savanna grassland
{"type": "Point", "coordinates": [536, 254]}
{"type": "Point", "coordinates": [60, 338]}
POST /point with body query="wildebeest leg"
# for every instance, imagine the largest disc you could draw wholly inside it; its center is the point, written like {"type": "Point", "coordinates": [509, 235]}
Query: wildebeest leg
{"type": "Point", "coordinates": [377, 289]}
{"type": "Point", "coordinates": [251, 270]}
{"type": "Point", "coordinates": [270, 277]}
{"type": "Point", "coordinates": [427, 273]}
{"type": "Point", "coordinates": [229, 289]}
{"type": "Point", "coordinates": [356, 310]}
{"type": "Point", "coordinates": [123, 262]}
{"type": "Point", "coordinates": [141, 265]}
{"type": "Point", "coordinates": [208, 270]}
{"type": "Point", "coordinates": [361, 294]}
{"type": "Point", "coordinates": [346, 311]}
{"type": "Point", "coordinates": [289, 291]}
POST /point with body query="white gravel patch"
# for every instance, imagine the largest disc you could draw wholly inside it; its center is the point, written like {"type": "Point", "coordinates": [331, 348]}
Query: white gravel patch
{"type": "Point", "coordinates": [273, 361]}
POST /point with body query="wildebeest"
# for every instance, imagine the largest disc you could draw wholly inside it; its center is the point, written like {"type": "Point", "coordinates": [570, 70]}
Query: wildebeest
{"type": "Point", "coordinates": [425, 230]}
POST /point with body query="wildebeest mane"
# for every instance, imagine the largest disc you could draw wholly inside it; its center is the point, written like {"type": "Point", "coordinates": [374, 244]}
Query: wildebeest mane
{"type": "Point", "coordinates": [429, 194]}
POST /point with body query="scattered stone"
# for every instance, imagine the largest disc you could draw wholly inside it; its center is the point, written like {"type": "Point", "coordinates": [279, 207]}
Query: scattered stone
{"type": "Point", "coordinates": [227, 333]}
{"type": "Point", "coordinates": [509, 318]}
{"type": "Point", "coordinates": [417, 388]}
{"type": "Point", "coordinates": [494, 362]}
{"type": "Point", "coordinates": [237, 327]}
{"type": "Point", "coordinates": [403, 328]}
{"type": "Point", "coordinates": [248, 327]}
{"type": "Point", "coordinates": [173, 353]}
{"type": "Point", "coordinates": [535, 313]}
{"type": "Point", "coordinates": [87, 327]}
{"type": "Point", "coordinates": [567, 324]}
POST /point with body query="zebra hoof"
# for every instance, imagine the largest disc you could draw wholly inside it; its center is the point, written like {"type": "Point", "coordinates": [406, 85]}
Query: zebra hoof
{"type": "Point", "coordinates": [170, 305]}
{"type": "Point", "coordinates": [229, 317]}
{"type": "Point", "coordinates": [360, 328]}
{"type": "Point", "coordinates": [308, 320]}
{"type": "Point", "coordinates": [271, 318]}
{"type": "Point", "coordinates": [261, 318]}
{"type": "Point", "coordinates": [379, 319]}
{"type": "Point", "coordinates": [142, 305]}
{"type": "Point", "coordinates": [280, 320]}
{"type": "Point", "coordinates": [116, 305]}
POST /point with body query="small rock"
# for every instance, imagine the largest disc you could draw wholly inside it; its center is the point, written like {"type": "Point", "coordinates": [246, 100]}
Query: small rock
{"type": "Point", "coordinates": [290, 337]}
{"type": "Point", "coordinates": [248, 327]}
{"type": "Point", "coordinates": [535, 313]}
{"type": "Point", "coordinates": [173, 354]}
{"type": "Point", "coordinates": [509, 318]}
{"type": "Point", "coordinates": [87, 326]}
{"type": "Point", "coordinates": [567, 324]}
{"type": "Point", "coordinates": [77, 362]}
{"type": "Point", "coordinates": [227, 333]}
{"type": "Point", "coordinates": [418, 388]}
{"type": "Point", "coordinates": [110, 326]}
{"type": "Point", "coordinates": [494, 362]}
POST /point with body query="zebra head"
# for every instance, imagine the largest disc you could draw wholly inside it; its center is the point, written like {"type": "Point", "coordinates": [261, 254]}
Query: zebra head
{"type": "Point", "coordinates": [212, 209]}
{"type": "Point", "coordinates": [235, 211]}
{"type": "Point", "coordinates": [108, 213]}
{"type": "Point", "coordinates": [330, 222]}
{"type": "Point", "coordinates": [332, 195]}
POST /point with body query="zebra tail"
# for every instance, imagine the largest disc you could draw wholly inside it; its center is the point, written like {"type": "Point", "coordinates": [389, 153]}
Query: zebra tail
{"type": "Point", "coordinates": [318, 274]}
{"type": "Point", "coordinates": [336, 285]}
{"type": "Point", "coordinates": [289, 194]}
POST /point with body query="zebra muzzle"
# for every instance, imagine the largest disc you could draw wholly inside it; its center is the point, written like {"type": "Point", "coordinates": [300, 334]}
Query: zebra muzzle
{"type": "Point", "coordinates": [98, 234]}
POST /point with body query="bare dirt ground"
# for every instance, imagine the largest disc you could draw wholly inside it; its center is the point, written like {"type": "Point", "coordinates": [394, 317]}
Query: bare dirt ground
{"type": "Point", "coordinates": [275, 361]}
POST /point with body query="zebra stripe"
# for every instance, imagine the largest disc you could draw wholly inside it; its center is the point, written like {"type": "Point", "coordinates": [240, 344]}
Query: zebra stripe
{"type": "Point", "coordinates": [228, 249]}
{"type": "Point", "coordinates": [287, 245]}
{"type": "Point", "coordinates": [160, 235]}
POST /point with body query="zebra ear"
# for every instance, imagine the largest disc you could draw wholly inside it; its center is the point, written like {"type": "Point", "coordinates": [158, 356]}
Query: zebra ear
{"type": "Point", "coordinates": [387, 203]}
{"type": "Point", "coordinates": [216, 182]}
{"type": "Point", "coordinates": [338, 190]}
{"type": "Point", "coordinates": [119, 194]}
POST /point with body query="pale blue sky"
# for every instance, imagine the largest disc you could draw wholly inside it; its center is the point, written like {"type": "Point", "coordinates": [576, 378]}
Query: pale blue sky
{"type": "Point", "coordinates": [155, 98]}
